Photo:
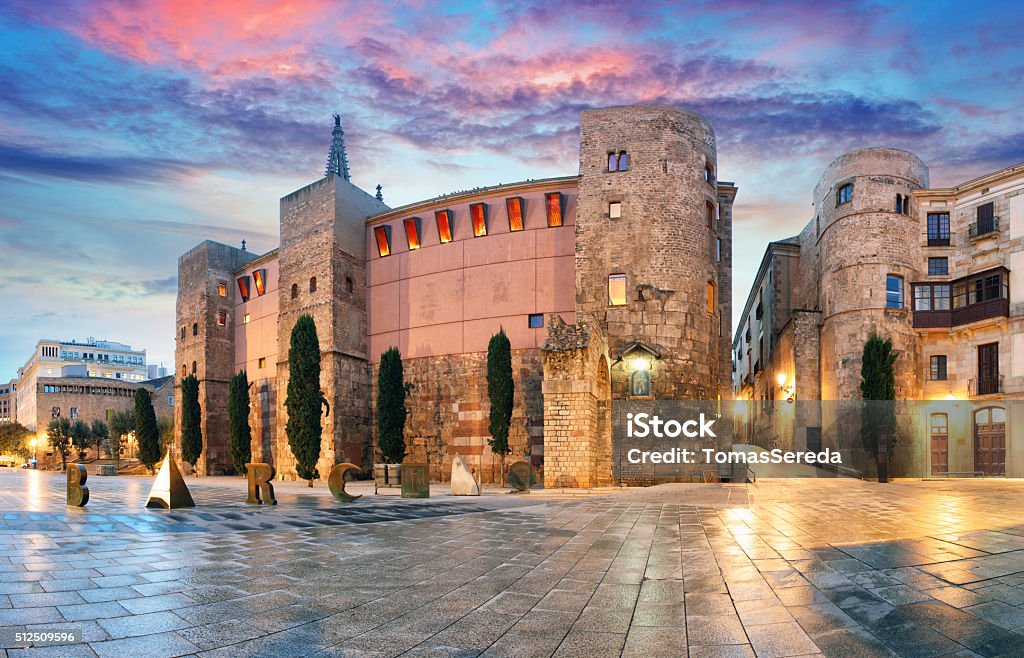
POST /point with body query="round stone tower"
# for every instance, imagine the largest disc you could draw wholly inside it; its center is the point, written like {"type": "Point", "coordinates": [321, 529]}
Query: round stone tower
{"type": "Point", "coordinates": [647, 248]}
{"type": "Point", "coordinates": [869, 251]}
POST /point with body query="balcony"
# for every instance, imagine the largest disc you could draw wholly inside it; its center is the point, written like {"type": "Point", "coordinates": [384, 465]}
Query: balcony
{"type": "Point", "coordinates": [970, 299]}
{"type": "Point", "coordinates": [993, 308]}
{"type": "Point", "coordinates": [985, 386]}
{"type": "Point", "coordinates": [938, 242]}
{"type": "Point", "coordinates": [983, 228]}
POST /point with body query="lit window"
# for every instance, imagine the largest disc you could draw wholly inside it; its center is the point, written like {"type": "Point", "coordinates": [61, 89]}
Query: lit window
{"type": "Point", "coordinates": [478, 212]}
{"type": "Point", "coordinates": [536, 320]}
{"type": "Point", "coordinates": [938, 367]}
{"type": "Point", "coordinates": [514, 206]}
{"type": "Point", "coordinates": [222, 289]}
{"type": "Point", "coordinates": [246, 318]}
{"type": "Point", "coordinates": [615, 210]}
{"type": "Point", "coordinates": [844, 194]}
{"type": "Point", "coordinates": [553, 201]}
{"type": "Point", "coordinates": [262, 363]}
{"type": "Point", "coordinates": [312, 284]}
{"type": "Point", "coordinates": [893, 291]}
{"type": "Point", "coordinates": [711, 297]}
{"type": "Point", "coordinates": [938, 266]}
{"type": "Point", "coordinates": [259, 279]}
{"type": "Point", "coordinates": [444, 225]}
{"type": "Point", "coordinates": [383, 237]}
{"type": "Point", "coordinates": [412, 232]}
{"type": "Point", "coordinates": [616, 289]}
{"type": "Point", "coordinates": [222, 318]}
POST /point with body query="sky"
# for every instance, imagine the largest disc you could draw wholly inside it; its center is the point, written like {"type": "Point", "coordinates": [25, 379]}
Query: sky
{"type": "Point", "coordinates": [132, 130]}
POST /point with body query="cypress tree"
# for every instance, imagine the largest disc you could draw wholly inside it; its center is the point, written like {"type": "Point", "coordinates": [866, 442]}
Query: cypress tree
{"type": "Point", "coordinates": [500, 390]}
{"type": "Point", "coordinates": [146, 431]}
{"type": "Point", "coordinates": [238, 418]}
{"type": "Point", "coordinates": [391, 407]}
{"type": "Point", "coordinates": [191, 421]}
{"type": "Point", "coordinates": [878, 384]}
{"type": "Point", "coordinates": [305, 400]}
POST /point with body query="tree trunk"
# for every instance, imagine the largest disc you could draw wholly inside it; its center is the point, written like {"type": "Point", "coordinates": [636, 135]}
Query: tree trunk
{"type": "Point", "coordinates": [310, 483]}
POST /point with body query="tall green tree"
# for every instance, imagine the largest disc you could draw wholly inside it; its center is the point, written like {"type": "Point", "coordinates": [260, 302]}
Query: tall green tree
{"type": "Point", "coordinates": [100, 434]}
{"type": "Point", "coordinates": [501, 391]}
{"type": "Point", "coordinates": [122, 424]}
{"type": "Point", "coordinates": [81, 437]}
{"type": "Point", "coordinates": [305, 401]}
{"type": "Point", "coordinates": [238, 420]}
{"type": "Point", "coordinates": [191, 421]}
{"type": "Point", "coordinates": [58, 434]}
{"type": "Point", "coordinates": [391, 407]}
{"type": "Point", "coordinates": [14, 439]}
{"type": "Point", "coordinates": [147, 433]}
{"type": "Point", "coordinates": [878, 390]}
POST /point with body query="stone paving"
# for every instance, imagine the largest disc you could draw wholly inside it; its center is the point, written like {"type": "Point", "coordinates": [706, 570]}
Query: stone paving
{"type": "Point", "coordinates": [782, 568]}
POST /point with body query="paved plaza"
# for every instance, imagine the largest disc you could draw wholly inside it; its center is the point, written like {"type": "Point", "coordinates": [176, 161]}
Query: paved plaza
{"type": "Point", "coordinates": [781, 568]}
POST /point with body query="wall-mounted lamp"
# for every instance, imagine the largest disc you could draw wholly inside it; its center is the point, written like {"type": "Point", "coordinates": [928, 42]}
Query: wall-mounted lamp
{"type": "Point", "coordinates": [640, 363]}
{"type": "Point", "coordinates": [785, 387]}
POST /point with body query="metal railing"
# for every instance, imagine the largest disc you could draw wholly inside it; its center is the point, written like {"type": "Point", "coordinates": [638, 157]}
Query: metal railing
{"type": "Point", "coordinates": [983, 227]}
{"type": "Point", "coordinates": [985, 385]}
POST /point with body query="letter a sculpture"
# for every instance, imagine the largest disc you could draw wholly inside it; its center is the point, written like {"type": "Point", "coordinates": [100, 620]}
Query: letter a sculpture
{"type": "Point", "coordinates": [169, 490]}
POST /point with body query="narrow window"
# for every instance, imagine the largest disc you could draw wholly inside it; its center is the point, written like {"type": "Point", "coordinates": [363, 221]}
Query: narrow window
{"type": "Point", "coordinates": [195, 331]}
{"type": "Point", "coordinates": [514, 206]}
{"type": "Point", "coordinates": [709, 173]}
{"type": "Point", "coordinates": [615, 210]}
{"type": "Point", "coordinates": [184, 370]}
{"type": "Point", "coordinates": [623, 161]}
{"type": "Point", "coordinates": [262, 363]}
{"type": "Point", "coordinates": [938, 229]}
{"type": "Point", "coordinates": [349, 285]}
{"type": "Point", "coordinates": [412, 232]}
{"type": "Point", "coordinates": [243, 288]}
{"type": "Point", "coordinates": [711, 297]}
{"type": "Point", "coordinates": [222, 318]}
{"type": "Point", "coordinates": [844, 194]}
{"type": "Point", "coordinates": [259, 279]}
{"type": "Point", "coordinates": [554, 205]}
{"type": "Point", "coordinates": [383, 236]}
{"type": "Point", "coordinates": [938, 367]}
{"type": "Point", "coordinates": [246, 318]}
{"type": "Point", "coordinates": [478, 212]}
{"type": "Point", "coordinates": [536, 320]}
{"type": "Point", "coordinates": [899, 203]}
{"type": "Point", "coordinates": [718, 250]}
{"type": "Point", "coordinates": [295, 291]}
{"type": "Point", "coordinates": [893, 291]}
{"type": "Point", "coordinates": [222, 289]}
{"type": "Point", "coordinates": [906, 205]}
{"type": "Point", "coordinates": [938, 266]}
{"type": "Point", "coordinates": [616, 289]}
{"type": "Point", "coordinates": [613, 162]}
{"type": "Point", "coordinates": [710, 207]}
{"type": "Point", "coordinates": [444, 225]}
{"type": "Point", "coordinates": [193, 367]}
{"type": "Point", "coordinates": [986, 219]}
{"type": "Point", "coordinates": [312, 284]}
{"type": "Point", "coordinates": [182, 333]}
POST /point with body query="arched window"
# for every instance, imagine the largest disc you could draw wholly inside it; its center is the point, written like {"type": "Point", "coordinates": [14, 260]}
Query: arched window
{"type": "Point", "coordinates": [312, 284]}
{"type": "Point", "coordinates": [183, 332]}
{"type": "Point", "coordinates": [184, 370]}
{"type": "Point", "coordinates": [613, 162]}
{"type": "Point", "coordinates": [295, 291]}
{"type": "Point", "coordinates": [349, 285]}
{"type": "Point", "coordinates": [899, 203]}
{"type": "Point", "coordinates": [193, 367]}
{"type": "Point", "coordinates": [623, 161]}
{"type": "Point", "coordinates": [711, 297]}
{"type": "Point", "coordinates": [195, 328]}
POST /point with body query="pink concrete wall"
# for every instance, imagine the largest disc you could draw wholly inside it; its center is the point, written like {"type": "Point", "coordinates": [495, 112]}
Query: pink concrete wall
{"type": "Point", "coordinates": [257, 338]}
{"type": "Point", "coordinates": [451, 298]}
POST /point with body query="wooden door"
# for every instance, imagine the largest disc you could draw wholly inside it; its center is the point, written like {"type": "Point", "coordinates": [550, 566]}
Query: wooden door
{"type": "Point", "coordinates": [990, 441]}
{"type": "Point", "coordinates": [940, 443]}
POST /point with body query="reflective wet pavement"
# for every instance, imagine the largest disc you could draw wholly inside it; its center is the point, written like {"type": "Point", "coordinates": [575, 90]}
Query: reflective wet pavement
{"type": "Point", "coordinates": [782, 568]}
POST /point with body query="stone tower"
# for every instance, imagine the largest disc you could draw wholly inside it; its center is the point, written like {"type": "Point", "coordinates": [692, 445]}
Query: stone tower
{"type": "Point", "coordinates": [205, 343]}
{"type": "Point", "coordinates": [655, 166]}
{"type": "Point", "coordinates": [866, 233]}
{"type": "Point", "coordinates": [323, 274]}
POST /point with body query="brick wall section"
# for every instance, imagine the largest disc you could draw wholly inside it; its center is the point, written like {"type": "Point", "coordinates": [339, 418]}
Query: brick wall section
{"type": "Point", "coordinates": [200, 271]}
{"type": "Point", "coordinates": [448, 412]}
{"type": "Point", "coordinates": [723, 230]}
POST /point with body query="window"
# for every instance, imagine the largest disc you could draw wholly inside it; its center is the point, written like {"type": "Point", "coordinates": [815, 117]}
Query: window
{"type": "Point", "coordinates": [478, 213]}
{"type": "Point", "coordinates": [412, 232]}
{"type": "Point", "coordinates": [709, 173]}
{"type": "Point", "coordinates": [932, 297]}
{"type": "Point", "coordinates": [312, 284]}
{"type": "Point", "coordinates": [900, 204]}
{"type": "Point", "coordinates": [980, 288]}
{"type": "Point", "coordinates": [183, 332]}
{"type": "Point", "coordinates": [246, 318]}
{"type": "Point", "coordinates": [382, 234]}
{"type": "Point", "coordinates": [893, 291]}
{"type": "Point", "coordinates": [618, 161]}
{"type": "Point", "coordinates": [262, 362]}
{"type": "Point", "coordinates": [710, 208]}
{"type": "Point", "coordinates": [514, 206]}
{"type": "Point", "coordinates": [938, 266]}
{"type": "Point", "coordinates": [349, 285]}
{"type": "Point", "coordinates": [184, 370]}
{"type": "Point", "coordinates": [938, 368]}
{"type": "Point", "coordinates": [938, 229]}
{"type": "Point", "coordinates": [193, 367]}
{"type": "Point", "coordinates": [295, 291]}
{"type": "Point", "coordinates": [616, 289]}
{"type": "Point", "coordinates": [553, 202]}
{"type": "Point", "coordinates": [222, 289]}
{"type": "Point", "coordinates": [615, 210]}
{"type": "Point", "coordinates": [844, 194]}
{"type": "Point", "coordinates": [718, 250]}
{"type": "Point", "coordinates": [536, 320]}
{"type": "Point", "coordinates": [259, 279]}
{"type": "Point", "coordinates": [444, 225]}
{"type": "Point", "coordinates": [195, 332]}
{"type": "Point", "coordinates": [222, 318]}
{"type": "Point", "coordinates": [986, 220]}
{"type": "Point", "coordinates": [711, 297]}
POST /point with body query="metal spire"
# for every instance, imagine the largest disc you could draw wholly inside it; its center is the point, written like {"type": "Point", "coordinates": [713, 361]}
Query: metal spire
{"type": "Point", "coordinates": [380, 195]}
{"type": "Point", "coordinates": [337, 161]}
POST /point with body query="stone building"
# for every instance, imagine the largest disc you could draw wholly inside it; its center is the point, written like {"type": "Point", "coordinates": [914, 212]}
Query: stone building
{"type": "Point", "coordinates": [936, 271]}
{"type": "Point", "coordinates": [612, 283]}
